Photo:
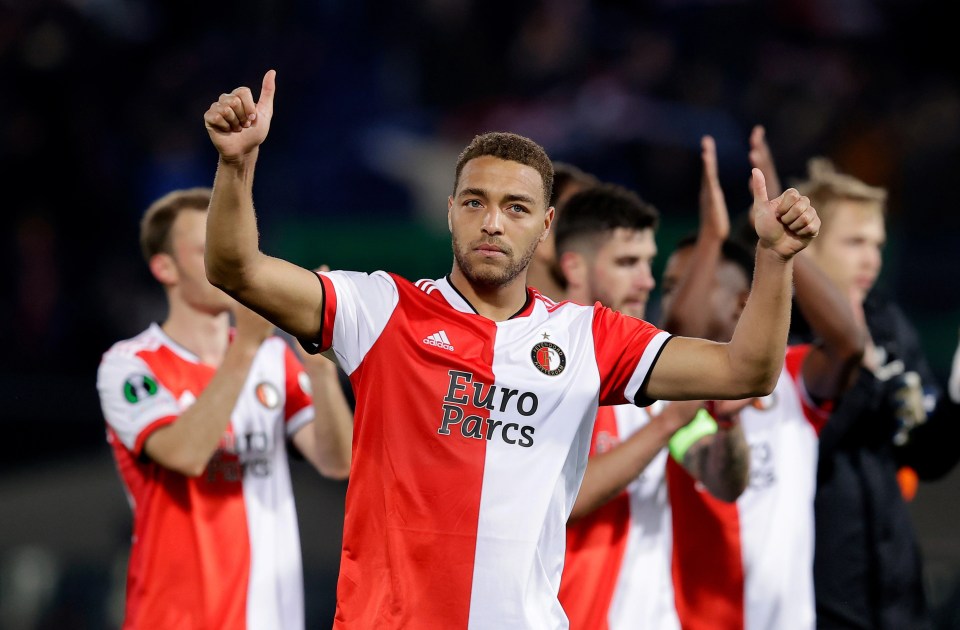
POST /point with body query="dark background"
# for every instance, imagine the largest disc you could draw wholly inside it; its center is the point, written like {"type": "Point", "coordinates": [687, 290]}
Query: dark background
{"type": "Point", "coordinates": [101, 105]}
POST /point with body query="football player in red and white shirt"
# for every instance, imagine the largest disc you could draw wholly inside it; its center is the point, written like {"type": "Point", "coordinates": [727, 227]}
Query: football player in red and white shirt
{"type": "Point", "coordinates": [476, 397]}
{"type": "Point", "coordinates": [617, 570]}
{"type": "Point", "coordinates": [750, 564]}
{"type": "Point", "coordinates": [199, 417]}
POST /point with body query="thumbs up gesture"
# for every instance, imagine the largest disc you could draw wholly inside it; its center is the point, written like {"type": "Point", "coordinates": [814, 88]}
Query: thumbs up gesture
{"type": "Point", "coordinates": [236, 124]}
{"type": "Point", "coordinates": [785, 224]}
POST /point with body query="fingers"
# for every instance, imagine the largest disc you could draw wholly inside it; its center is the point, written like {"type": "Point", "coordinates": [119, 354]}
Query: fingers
{"type": "Point", "coordinates": [758, 186]}
{"type": "Point", "coordinates": [797, 215]}
{"type": "Point", "coordinates": [267, 89]}
{"type": "Point", "coordinates": [234, 109]}
{"type": "Point", "coordinates": [709, 154]}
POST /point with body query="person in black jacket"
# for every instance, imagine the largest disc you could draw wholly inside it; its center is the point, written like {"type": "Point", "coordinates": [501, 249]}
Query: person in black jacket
{"type": "Point", "coordinates": [868, 568]}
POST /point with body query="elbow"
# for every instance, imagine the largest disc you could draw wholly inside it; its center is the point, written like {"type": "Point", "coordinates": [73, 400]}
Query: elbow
{"type": "Point", "coordinates": [337, 472]}
{"type": "Point", "coordinates": [850, 353]}
{"type": "Point", "coordinates": [762, 384]}
{"type": "Point", "coordinates": [187, 468]}
{"type": "Point", "coordinates": [229, 277]}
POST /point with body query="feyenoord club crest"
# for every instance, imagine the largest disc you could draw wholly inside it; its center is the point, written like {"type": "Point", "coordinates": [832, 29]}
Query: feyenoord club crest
{"type": "Point", "coordinates": [268, 395]}
{"type": "Point", "coordinates": [548, 358]}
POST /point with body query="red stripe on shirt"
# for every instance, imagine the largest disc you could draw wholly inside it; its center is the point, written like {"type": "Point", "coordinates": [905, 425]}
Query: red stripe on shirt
{"type": "Point", "coordinates": [708, 576]}
{"type": "Point", "coordinates": [596, 546]}
{"type": "Point", "coordinates": [413, 502]}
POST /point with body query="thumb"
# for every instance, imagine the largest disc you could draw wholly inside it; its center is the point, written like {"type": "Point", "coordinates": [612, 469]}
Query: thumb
{"type": "Point", "coordinates": [267, 90]}
{"type": "Point", "coordinates": [759, 186]}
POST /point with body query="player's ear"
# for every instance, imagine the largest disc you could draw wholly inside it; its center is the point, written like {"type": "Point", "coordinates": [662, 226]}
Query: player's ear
{"type": "Point", "coordinates": [450, 210]}
{"type": "Point", "coordinates": [574, 268]}
{"type": "Point", "coordinates": [547, 223]}
{"type": "Point", "coordinates": [163, 269]}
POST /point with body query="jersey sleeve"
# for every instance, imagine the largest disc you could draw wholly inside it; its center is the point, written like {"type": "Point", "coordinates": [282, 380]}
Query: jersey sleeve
{"type": "Point", "coordinates": [134, 401]}
{"type": "Point", "coordinates": [298, 405]}
{"type": "Point", "coordinates": [816, 414]}
{"type": "Point", "coordinates": [627, 348]}
{"type": "Point", "coordinates": [356, 308]}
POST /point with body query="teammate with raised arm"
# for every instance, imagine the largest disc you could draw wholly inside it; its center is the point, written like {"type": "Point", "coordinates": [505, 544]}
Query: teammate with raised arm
{"type": "Point", "coordinates": [476, 396]}
{"type": "Point", "coordinates": [750, 564]}
{"type": "Point", "coordinates": [618, 567]}
{"type": "Point", "coordinates": [199, 417]}
{"type": "Point", "coordinates": [896, 417]}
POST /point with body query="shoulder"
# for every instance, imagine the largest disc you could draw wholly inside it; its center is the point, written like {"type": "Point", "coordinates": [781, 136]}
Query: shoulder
{"type": "Point", "coordinates": [146, 341]}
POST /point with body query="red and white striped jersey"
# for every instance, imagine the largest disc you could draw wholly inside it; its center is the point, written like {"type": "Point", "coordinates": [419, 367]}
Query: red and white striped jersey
{"type": "Point", "coordinates": [470, 441]}
{"type": "Point", "coordinates": [666, 554]}
{"type": "Point", "coordinates": [221, 550]}
{"type": "Point", "coordinates": [617, 572]}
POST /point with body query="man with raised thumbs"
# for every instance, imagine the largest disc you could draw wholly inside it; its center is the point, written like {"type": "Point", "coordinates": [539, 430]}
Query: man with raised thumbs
{"type": "Point", "coordinates": [476, 395]}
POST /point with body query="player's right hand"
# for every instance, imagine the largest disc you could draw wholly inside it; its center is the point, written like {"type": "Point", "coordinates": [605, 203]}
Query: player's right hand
{"type": "Point", "coordinates": [714, 218]}
{"type": "Point", "coordinates": [236, 124]}
{"type": "Point", "coordinates": [251, 328]}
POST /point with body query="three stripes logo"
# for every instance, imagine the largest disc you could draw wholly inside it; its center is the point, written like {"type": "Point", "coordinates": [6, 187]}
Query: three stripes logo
{"type": "Point", "coordinates": [438, 339]}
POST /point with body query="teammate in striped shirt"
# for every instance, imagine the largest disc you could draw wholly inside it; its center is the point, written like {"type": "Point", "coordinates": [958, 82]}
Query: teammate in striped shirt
{"type": "Point", "coordinates": [199, 417]}
{"type": "Point", "coordinates": [750, 564]}
{"type": "Point", "coordinates": [617, 572]}
{"type": "Point", "coordinates": [466, 461]}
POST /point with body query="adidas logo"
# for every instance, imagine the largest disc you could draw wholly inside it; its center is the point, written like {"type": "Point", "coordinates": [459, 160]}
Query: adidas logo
{"type": "Point", "coordinates": [438, 339]}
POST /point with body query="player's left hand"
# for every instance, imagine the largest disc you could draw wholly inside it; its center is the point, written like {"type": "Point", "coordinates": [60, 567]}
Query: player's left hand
{"type": "Point", "coordinates": [785, 224]}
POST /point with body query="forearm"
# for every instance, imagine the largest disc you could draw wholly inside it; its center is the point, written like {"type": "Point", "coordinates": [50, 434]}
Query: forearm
{"type": "Point", "coordinates": [829, 366]}
{"type": "Point", "coordinates": [232, 246]}
{"type": "Point", "coordinates": [190, 441]}
{"type": "Point", "coordinates": [332, 422]}
{"type": "Point", "coordinates": [756, 351]}
{"type": "Point", "coordinates": [608, 474]}
{"type": "Point", "coordinates": [721, 462]}
{"type": "Point", "coordinates": [687, 316]}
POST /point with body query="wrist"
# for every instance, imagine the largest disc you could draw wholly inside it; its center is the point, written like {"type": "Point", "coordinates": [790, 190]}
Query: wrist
{"type": "Point", "coordinates": [701, 426]}
{"type": "Point", "coordinates": [767, 251]}
{"type": "Point", "coordinates": [241, 163]}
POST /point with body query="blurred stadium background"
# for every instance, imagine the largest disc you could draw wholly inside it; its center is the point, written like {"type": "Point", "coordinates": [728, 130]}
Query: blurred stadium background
{"type": "Point", "coordinates": [100, 112]}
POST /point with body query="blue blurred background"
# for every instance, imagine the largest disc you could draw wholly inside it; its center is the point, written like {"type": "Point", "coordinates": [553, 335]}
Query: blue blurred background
{"type": "Point", "coordinates": [101, 111]}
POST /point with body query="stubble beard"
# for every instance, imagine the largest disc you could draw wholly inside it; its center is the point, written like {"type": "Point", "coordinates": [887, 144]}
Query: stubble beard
{"type": "Point", "coordinates": [490, 276]}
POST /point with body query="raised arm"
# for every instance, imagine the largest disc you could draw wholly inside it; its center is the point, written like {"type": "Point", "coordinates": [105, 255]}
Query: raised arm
{"type": "Point", "coordinates": [832, 362]}
{"type": "Point", "coordinates": [751, 362]}
{"type": "Point", "coordinates": [288, 295]}
{"type": "Point", "coordinates": [687, 316]}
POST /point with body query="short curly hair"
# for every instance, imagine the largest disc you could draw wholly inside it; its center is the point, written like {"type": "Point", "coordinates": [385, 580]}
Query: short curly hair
{"type": "Point", "coordinates": [512, 147]}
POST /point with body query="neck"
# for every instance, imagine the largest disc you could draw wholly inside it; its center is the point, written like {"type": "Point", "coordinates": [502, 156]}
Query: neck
{"type": "Point", "coordinates": [203, 334]}
{"type": "Point", "coordinates": [540, 278]}
{"type": "Point", "coordinates": [497, 303]}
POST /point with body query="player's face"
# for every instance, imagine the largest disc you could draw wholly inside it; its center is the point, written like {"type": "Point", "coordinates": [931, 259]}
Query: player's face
{"type": "Point", "coordinates": [620, 273]}
{"type": "Point", "coordinates": [723, 304]}
{"type": "Point", "coordinates": [497, 218]}
{"type": "Point", "coordinates": [188, 237]}
{"type": "Point", "coordinates": [849, 250]}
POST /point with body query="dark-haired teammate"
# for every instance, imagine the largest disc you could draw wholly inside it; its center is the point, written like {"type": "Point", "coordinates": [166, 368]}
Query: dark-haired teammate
{"type": "Point", "coordinates": [618, 566]}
